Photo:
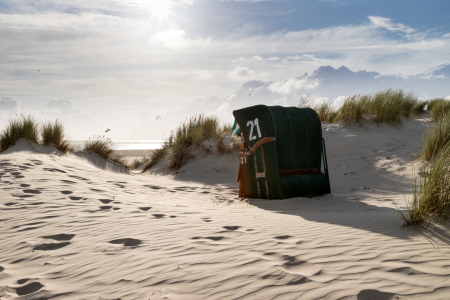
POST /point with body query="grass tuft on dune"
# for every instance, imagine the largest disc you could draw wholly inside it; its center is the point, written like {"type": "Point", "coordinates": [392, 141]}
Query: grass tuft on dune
{"type": "Point", "coordinates": [23, 127]}
{"type": "Point", "coordinates": [387, 107]}
{"type": "Point", "coordinates": [190, 135]}
{"type": "Point", "coordinates": [431, 188]}
{"type": "Point", "coordinates": [53, 133]}
{"type": "Point", "coordinates": [104, 147]}
{"type": "Point", "coordinates": [436, 138]}
{"type": "Point", "coordinates": [440, 108]}
{"type": "Point", "coordinates": [431, 191]}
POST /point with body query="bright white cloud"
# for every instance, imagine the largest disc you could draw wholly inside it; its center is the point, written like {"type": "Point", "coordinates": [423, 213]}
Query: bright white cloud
{"type": "Point", "coordinates": [241, 73]}
{"type": "Point", "coordinates": [389, 25]}
{"type": "Point", "coordinates": [290, 85]}
{"type": "Point", "coordinates": [203, 75]}
{"type": "Point", "coordinates": [257, 57]}
{"type": "Point", "coordinates": [172, 38]}
{"type": "Point", "coordinates": [70, 23]}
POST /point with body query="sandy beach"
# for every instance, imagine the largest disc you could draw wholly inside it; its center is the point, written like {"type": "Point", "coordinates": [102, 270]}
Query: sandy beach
{"type": "Point", "coordinates": [78, 227]}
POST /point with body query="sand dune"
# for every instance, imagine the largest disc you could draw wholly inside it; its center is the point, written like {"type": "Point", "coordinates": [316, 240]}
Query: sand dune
{"type": "Point", "coordinates": [78, 227]}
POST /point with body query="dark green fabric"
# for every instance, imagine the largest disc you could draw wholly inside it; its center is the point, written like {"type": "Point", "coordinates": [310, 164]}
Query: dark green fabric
{"type": "Point", "coordinates": [298, 145]}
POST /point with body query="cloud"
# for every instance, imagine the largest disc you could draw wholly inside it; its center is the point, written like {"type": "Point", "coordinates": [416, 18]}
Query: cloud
{"type": "Point", "coordinates": [241, 73]}
{"type": "Point", "coordinates": [336, 103]}
{"type": "Point", "coordinates": [9, 104]}
{"type": "Point", "coordinates": [64, 22]}
{"type": "Point", "coordinates": [257, 57]}
{"type": "Point", "coordinates": [203, 75]}
{"type": "Point", "coordinates": [290, 85]}
{"type": "Point", "coordinates": [172, 38]}
{"type": "Point", "coordinates": [64, 107]}
{"type": "Point", "coordinates": [387, 23]}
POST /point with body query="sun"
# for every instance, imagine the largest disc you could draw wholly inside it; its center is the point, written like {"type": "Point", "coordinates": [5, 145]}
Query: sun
{"type": "Point", "coordinates": [160, 8]}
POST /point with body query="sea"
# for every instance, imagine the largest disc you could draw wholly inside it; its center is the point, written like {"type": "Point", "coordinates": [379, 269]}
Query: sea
{"type": "Point", "coordinates": [128, 144]}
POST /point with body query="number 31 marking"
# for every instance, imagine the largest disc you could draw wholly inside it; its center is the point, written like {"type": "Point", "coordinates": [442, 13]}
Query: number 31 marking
{"type": "Point", "coordinates": [252, 124]}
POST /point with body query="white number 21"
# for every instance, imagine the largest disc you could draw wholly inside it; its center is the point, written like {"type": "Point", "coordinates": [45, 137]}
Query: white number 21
{"type": "Point", "coordinates": [252, 124]}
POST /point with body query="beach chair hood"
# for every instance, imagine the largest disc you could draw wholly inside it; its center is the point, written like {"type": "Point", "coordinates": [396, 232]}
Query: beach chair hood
{"type": "Point", "coordinates": [284, 151]}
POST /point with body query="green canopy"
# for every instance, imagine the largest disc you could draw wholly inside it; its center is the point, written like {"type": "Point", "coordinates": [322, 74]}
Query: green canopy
{"type": "Point", "coordinates": [291, 164]}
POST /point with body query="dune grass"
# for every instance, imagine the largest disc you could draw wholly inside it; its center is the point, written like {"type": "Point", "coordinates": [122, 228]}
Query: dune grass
{"type": "Point", "coordinates": [137, 162]}
{"type": "Point", "coordinates": [53, 133]}
{"type": "Point", "coordinates": [187, 136]}
{"type": "Point", "coordinates": [23, 127]}
{"type": "Point", "coordinates": [190, 133]}
{"type": "Point", "coordinates": [440, 108]}
{"type": "Point", "coordinates": [386, 106]}
{"type": "Point", "coordinates": [325, 112]}
{"type": "Point", "coordinates": [104, 147]}
{"type": "Point", "coordinates": [154, 157]}
{"type": "Point", "coordinates": [436, 138]}
{"type": "Point", "coordinates": [431, 191]}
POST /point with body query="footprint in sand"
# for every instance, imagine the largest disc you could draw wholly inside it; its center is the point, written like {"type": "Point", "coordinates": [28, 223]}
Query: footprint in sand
{"type": "Point", "coordinates": [75, 198]}
{"type": "Point", "coordinates": [30, 288]}
{"type": "Point", "coordinates": [25, 196]}
{"type": "Point", "coordinates": [105, 201]}
{"type": "Point", "coordinates": [59, 237]}
{"type": "Point", "coordinates": [154, 187]}
{"type": "Point", "coordinates": [294, 265]}
{"type": "Point", "coordinates": [1, 269]}
{"type": "Point", "coordinates": [282, 237]}
{"type": "Point", "coordinates": [53, 246]}
{"type": "Point", "coordinates": [374, 294]}
{"type": "Point", "coordinates": [105, 207]}
{"type": "Point", "coordinates": [144, 208]}
{"type": "Point", "coordinates": [32, 191]}
{"type": "Point", "coordinates": [10, 203]}
{"type": "Point", "coordinates": [213, 238]}
{"type": "Point", "coordinates": [96, 190]}
{"type": "Point", "coordinates": [25, 185]}
{"type": "Point", "coordinates": [22, 281]}
{"type": "Point", "coordinates": [66, 192]}
{"type": "Point", "coordinates": [158, 216]}
{"type": "Point", "coordinates": [232, 228]}
{"type": "Point", "coordinates": [128, 242]}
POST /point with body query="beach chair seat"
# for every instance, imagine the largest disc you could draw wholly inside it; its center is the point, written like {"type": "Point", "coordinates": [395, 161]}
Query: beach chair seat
{"type": "Point", "coordinates": [283, 152]}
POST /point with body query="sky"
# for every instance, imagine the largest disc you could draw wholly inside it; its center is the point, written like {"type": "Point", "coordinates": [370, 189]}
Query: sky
{"type": "Point", "coordinates": [97, 64]}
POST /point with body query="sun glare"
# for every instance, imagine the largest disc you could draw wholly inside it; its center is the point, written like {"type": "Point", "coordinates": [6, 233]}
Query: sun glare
{"type": "Point", "coordinates": [160, 8]}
